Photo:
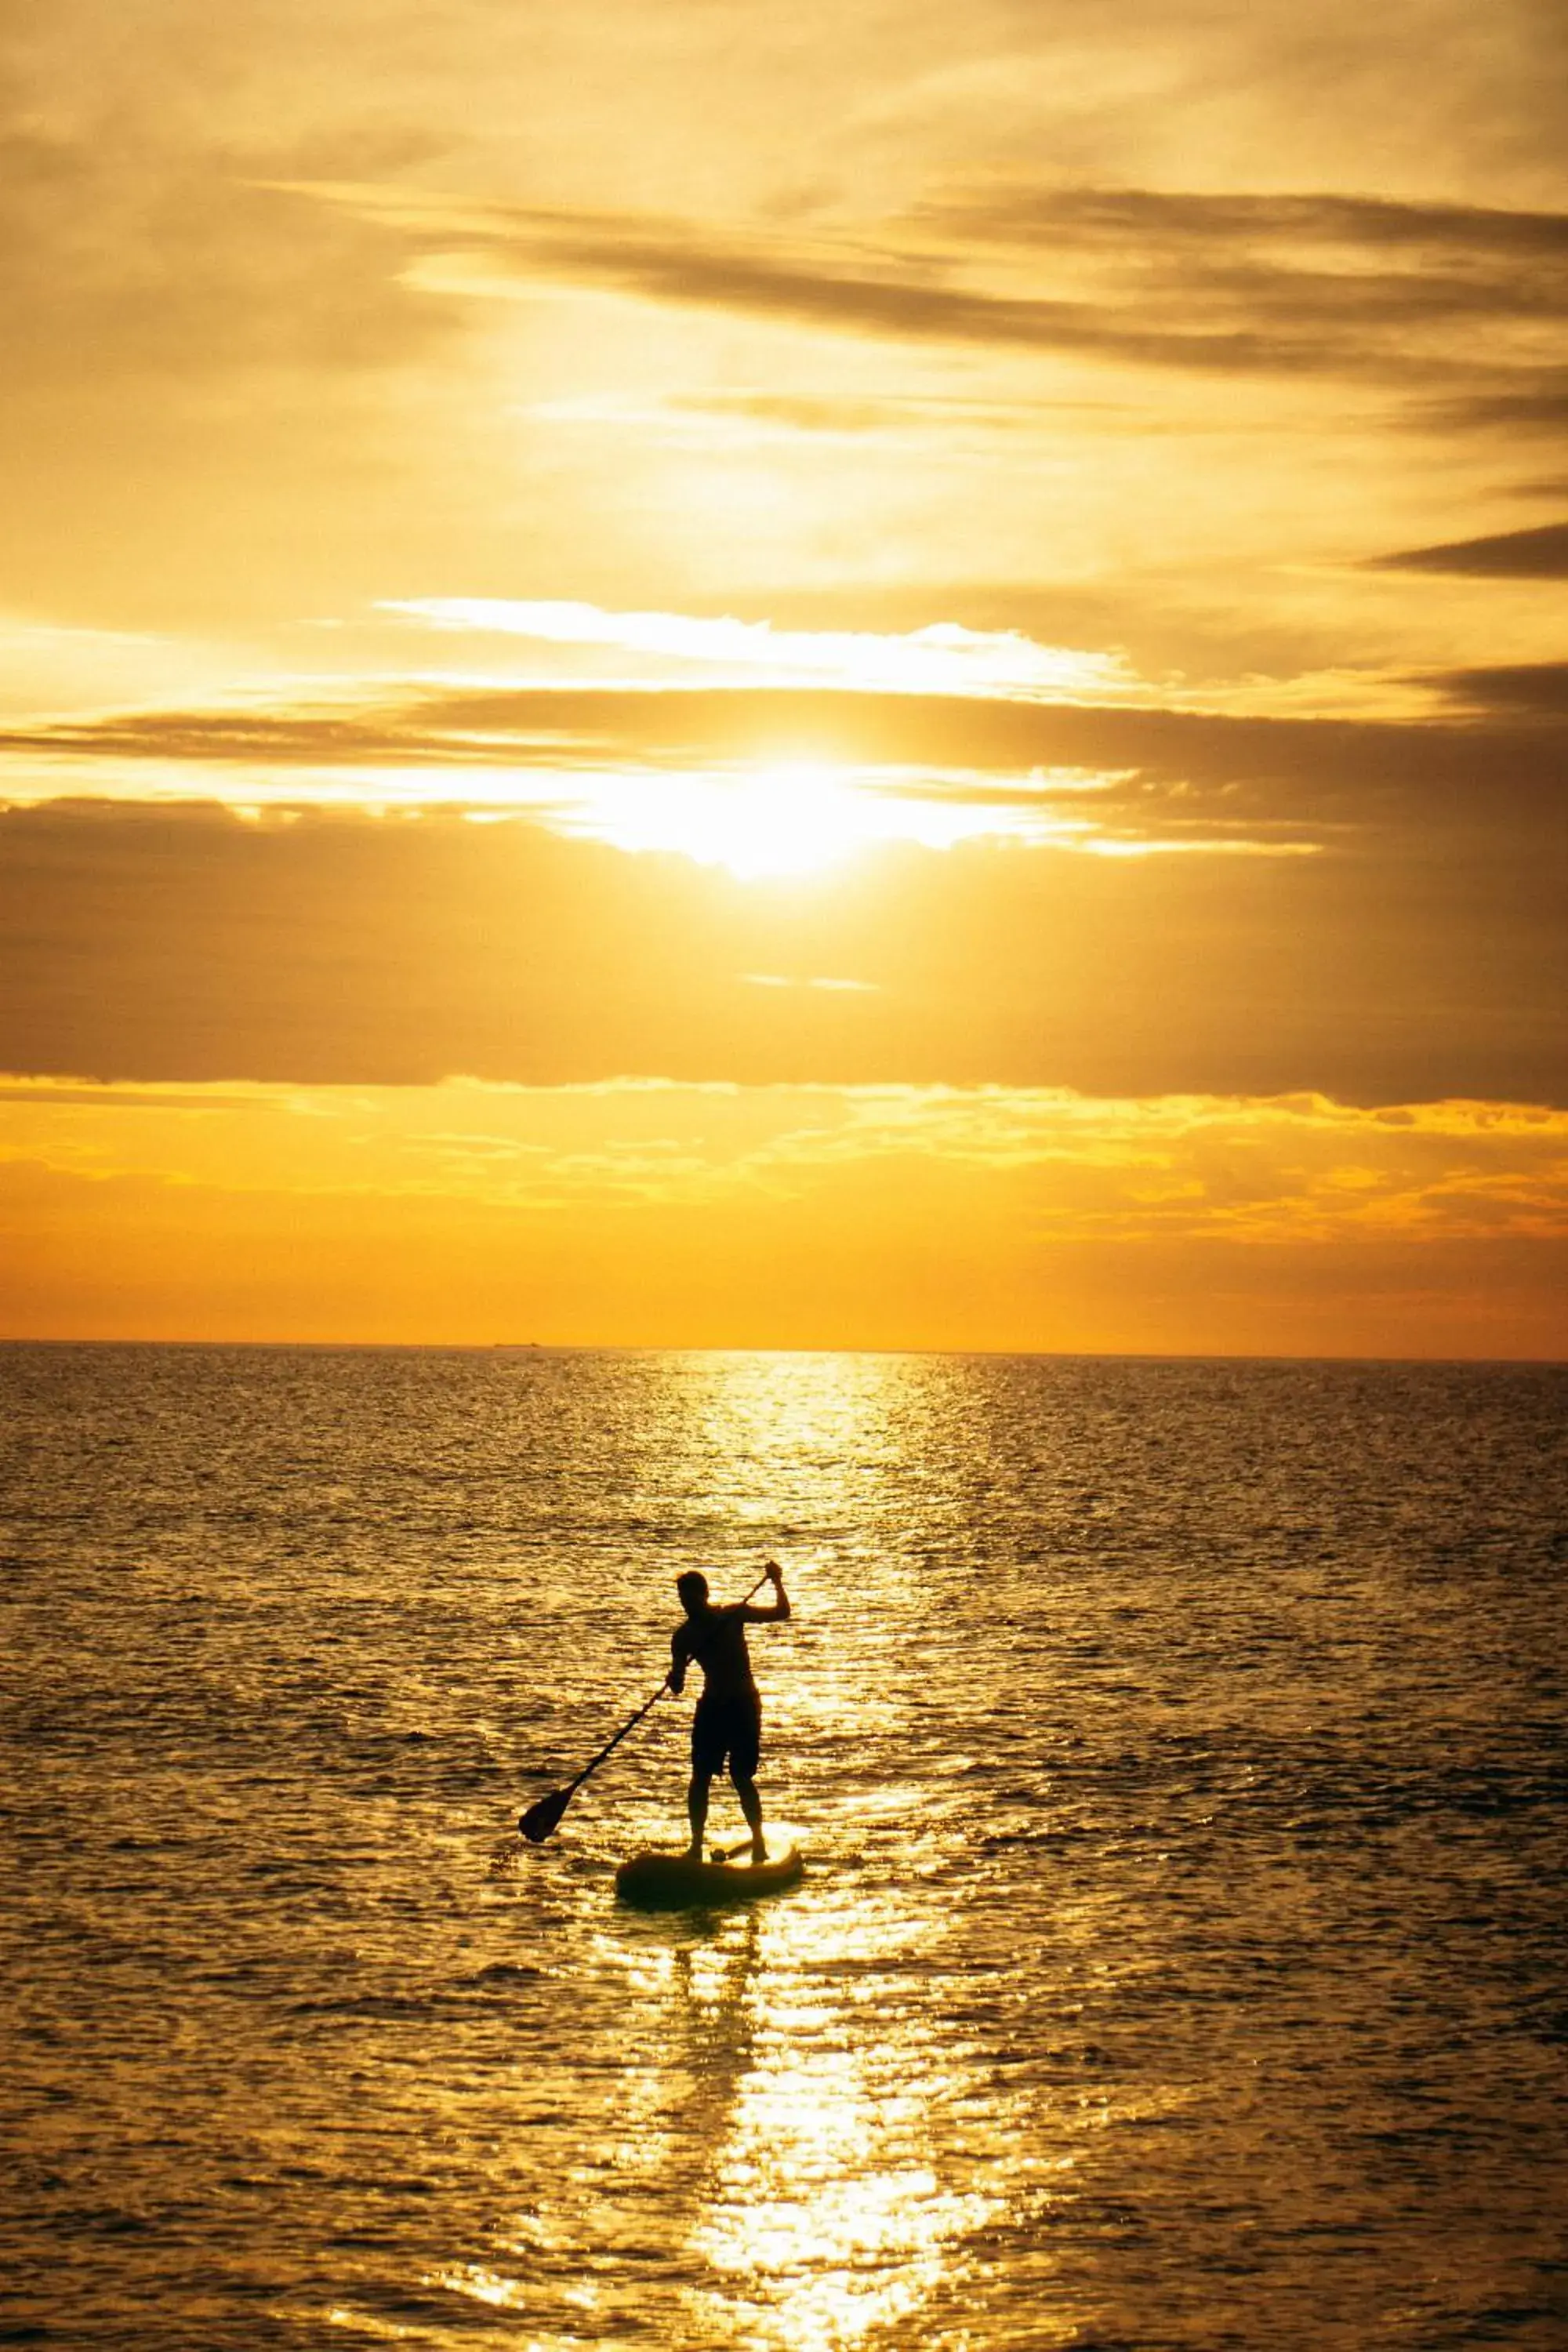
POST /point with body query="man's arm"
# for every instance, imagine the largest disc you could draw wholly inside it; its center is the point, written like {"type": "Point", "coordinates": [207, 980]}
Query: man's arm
{"type": "Point", "coordinates": [780, 1609]}
{"type": "Point", "coordinates": [677, 1678]}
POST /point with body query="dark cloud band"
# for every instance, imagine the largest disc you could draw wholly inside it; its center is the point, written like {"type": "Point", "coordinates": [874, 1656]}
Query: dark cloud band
{"type": "Point", "coordinates": [1541, 553]}
{"type": "Point", "coordinates": [178, 945]}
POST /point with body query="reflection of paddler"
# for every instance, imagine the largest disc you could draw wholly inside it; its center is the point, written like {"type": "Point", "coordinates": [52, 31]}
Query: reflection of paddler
{"type": "Point", "coordinates": [728, 1725]}
{"type": "Point", "coordinates": [717, 2018]}
{"type": "Point", "coordinates": [710, 2009]}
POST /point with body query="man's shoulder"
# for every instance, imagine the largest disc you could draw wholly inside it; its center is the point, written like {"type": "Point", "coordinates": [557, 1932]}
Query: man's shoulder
{"type": "Point", "coordinates": [695, 1632]}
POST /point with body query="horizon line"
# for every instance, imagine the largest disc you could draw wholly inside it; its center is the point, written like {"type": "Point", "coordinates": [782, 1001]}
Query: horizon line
{"type": "Point", "coordinates": [677, 1348]}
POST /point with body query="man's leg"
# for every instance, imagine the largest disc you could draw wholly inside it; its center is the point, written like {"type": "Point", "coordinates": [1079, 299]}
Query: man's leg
{"type": "Point", "coordinates": [751, 1806]}
{"type": "Point", "coordinates": [696, 1810]}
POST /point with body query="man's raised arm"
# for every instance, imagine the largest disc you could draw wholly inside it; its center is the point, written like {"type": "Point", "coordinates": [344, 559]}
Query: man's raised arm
{"type": "Point", "coordinates": [780, 1609]}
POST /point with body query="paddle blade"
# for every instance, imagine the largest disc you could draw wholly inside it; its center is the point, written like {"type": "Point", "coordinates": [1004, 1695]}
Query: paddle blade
{"type": "Point", "coordinates": [540, 1819]}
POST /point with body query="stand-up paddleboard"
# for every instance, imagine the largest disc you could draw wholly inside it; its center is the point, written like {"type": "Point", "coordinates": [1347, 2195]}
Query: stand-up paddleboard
{"type": "Point", "coordinates": [673, 1882]}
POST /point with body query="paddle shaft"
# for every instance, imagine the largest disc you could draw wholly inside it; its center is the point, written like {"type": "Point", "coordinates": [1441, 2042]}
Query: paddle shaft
{"type": "Point", "coordinates": [558, 1803]}
{"type": "Point", "coordinates": [611, 1745]}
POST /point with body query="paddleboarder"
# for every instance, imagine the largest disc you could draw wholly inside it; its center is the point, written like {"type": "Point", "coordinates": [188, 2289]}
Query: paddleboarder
{"type": "Point", "coordinates": [727, 1724]}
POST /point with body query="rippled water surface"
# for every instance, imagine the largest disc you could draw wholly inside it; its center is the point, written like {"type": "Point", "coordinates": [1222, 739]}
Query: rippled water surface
{"type": "Point", "coordinates": [1177, 1749]}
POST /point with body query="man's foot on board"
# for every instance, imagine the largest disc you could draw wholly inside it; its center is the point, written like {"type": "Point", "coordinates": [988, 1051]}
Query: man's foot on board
{"type": "Point", "coordinates": [759, 1850]}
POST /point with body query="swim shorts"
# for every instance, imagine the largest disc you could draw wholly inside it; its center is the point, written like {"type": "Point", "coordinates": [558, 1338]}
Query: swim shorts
{"type": "Point", "coordinates": [728, 1726]}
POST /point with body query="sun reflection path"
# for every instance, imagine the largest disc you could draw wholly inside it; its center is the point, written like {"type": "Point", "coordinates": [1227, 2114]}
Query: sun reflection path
{"type": "Point", "coordinates": [824, 2217]}
{"type": "Point", "coordinates": [805, 2227]}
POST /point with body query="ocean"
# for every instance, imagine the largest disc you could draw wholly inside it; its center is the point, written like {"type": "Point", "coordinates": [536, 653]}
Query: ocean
{"type": "Point", "coordinates": [1177, 1749]}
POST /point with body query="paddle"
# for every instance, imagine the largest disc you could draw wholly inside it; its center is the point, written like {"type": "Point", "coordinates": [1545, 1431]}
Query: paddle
{"type": "Point", "coordinates": [540, 1819]}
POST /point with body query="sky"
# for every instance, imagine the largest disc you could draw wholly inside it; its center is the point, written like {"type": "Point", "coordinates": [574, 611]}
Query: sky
{"type": "Point", "coordinates": [680, 675]}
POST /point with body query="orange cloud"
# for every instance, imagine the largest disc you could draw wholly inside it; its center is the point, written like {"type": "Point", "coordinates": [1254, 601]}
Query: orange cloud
{"type": "Point", "coordinates": [666, 1215]}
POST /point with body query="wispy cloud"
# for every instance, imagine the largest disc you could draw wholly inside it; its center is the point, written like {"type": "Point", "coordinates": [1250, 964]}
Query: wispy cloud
{"type": "Point", "coordinates": [128, 243]}
{"type": "Point", "coordinates": [1536, 403]}
{"type": "Point", "coordinates": [1529, 691]}
{"type": "Point", "coordinates": [1053, 1167]}
{"type": "Point", "coordinates": [648, 1249]}
{"type": "Point", "coordinates": [928, 415]}
{"type": "Point", "coordinates": [1306, 285]}
{"type": "Point", "coordinates": [1541, 553]}
{"type": "Point", "coordinates": [942, 659]}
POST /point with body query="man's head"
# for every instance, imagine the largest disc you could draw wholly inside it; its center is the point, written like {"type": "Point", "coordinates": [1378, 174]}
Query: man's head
{"type": "Point", "coordinates": [694, 1589]}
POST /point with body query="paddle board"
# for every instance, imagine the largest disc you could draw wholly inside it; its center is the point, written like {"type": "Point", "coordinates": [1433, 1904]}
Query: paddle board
{"type": "Point", "coordinates": [673, 1882]}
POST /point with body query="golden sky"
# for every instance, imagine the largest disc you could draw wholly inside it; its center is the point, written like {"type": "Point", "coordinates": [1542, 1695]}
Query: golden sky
{"type": "Point", "coordinates": [881, 677]}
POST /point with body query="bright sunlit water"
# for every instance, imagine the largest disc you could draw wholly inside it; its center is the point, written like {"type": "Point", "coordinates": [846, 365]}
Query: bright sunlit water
{"type": "Point", "coordinates": [1177, 1749]}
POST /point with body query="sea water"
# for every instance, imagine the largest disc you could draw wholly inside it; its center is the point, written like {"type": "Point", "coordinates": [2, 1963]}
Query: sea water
{"type": "Point", "coordinates": [1178, 1752]}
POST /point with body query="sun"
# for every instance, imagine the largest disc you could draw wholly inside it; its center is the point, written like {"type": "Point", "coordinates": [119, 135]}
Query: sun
{"type": "Point", "coordinates": [796, 818]}
{"type": "Point", "coordinates": [790, 820]}
{"type": "Point", "coordinates": [769, 824]}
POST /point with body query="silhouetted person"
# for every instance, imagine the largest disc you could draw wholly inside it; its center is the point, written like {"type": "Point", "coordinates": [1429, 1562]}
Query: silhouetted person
{"type": "Point", "coordinates": [727, 1724]}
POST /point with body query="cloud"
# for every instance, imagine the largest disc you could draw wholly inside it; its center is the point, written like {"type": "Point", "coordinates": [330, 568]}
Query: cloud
{"type": "Point", "coordinates": [205, 272]}
{"type": "Point", "coordinates": [675, 261]}
{"type": "Point", "coordinates": [942, 658]}
{"type": "Point", "coordinates": [1539, 553]}
{"type": "Point", "coordinates": [1532, 690]}
{"type": "Point", "coordinates": [907, 1217]}
{"type": "Point", "coordinates": [191, 363]}
{"type": "Point", "coordinates": [1151, 222]}
{"type": "Point", "coordinates": [1129, 775]}
{"type": "Point", "coordinates": [927, 414]}
{"type": "Point", "coordinates": [1536, 404]}
{"type": "Point", "coordinates": [1301, 284]}
{"type": "Point", "coordinates": [183, 944]}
